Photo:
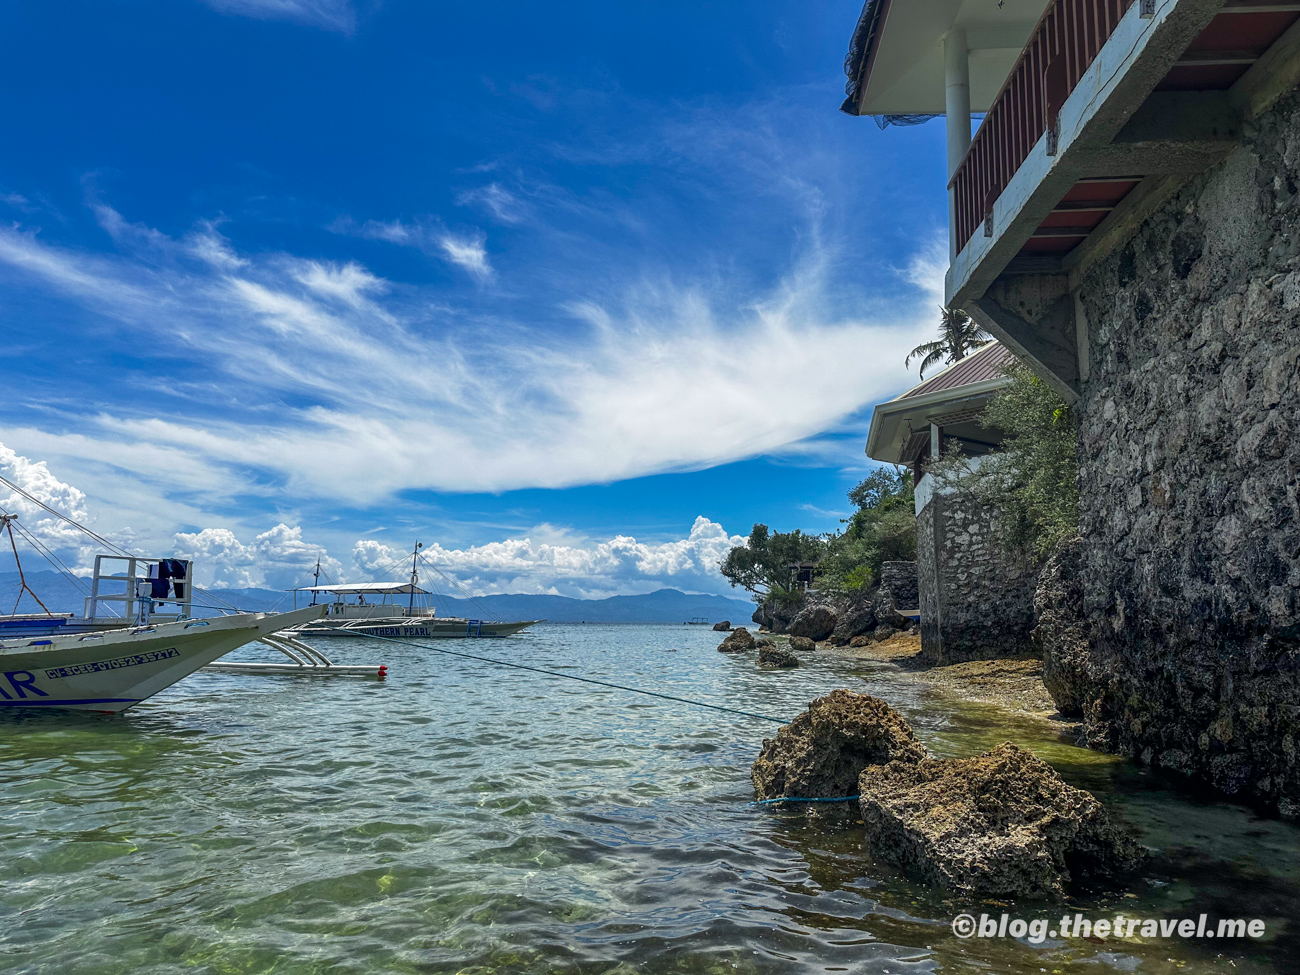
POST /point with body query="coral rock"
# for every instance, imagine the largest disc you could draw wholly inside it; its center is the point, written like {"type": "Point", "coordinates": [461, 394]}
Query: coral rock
{"type": "Point", "coordinates": [821, 753]}
{"type": "Point", "coordinates": [774, 656]}
{"type": "Point", "coordinates": [1000, 824]}
{"type": "Point", "coordinates": [738, 641]}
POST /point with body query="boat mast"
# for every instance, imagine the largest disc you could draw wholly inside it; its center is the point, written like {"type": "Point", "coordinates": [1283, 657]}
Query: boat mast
{"type": "Point", "coordinates": [315, 580]}
{"type": "Point", "coordinates": [415, 577]}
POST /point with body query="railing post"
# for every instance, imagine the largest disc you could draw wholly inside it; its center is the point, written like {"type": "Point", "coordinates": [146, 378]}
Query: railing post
{"type": "Point", "coordinates": [956, 64]}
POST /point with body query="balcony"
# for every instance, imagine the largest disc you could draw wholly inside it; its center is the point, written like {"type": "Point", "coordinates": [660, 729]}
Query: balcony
{"type": "Point", "coordinates": [1108, 109]}
{"type": "Point", "coordinates": [1112, 106]}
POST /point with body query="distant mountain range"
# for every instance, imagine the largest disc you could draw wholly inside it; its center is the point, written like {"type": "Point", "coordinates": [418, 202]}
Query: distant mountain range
{"type": "Point", "coordinates": [662, 606]}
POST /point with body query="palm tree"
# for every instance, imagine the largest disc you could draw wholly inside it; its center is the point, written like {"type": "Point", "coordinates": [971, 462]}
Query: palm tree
{"type": "Point", "coordinates": [958, 337]}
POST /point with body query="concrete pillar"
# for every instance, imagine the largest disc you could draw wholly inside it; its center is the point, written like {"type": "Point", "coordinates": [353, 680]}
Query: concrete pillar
{"type": "Point", "coordinates": [956, 67]}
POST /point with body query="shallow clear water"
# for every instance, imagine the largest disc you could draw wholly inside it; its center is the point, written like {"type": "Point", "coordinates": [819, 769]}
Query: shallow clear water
{"type": "Point", "coordinates": [465, 818]}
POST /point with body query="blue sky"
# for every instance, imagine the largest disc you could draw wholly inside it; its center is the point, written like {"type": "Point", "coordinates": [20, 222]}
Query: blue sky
{"type": "Point", "coordinates": [574, 292]}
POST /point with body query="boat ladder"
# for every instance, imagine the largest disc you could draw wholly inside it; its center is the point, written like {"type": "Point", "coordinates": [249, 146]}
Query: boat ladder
{"type": "Point", "coordinates": [473, 627]}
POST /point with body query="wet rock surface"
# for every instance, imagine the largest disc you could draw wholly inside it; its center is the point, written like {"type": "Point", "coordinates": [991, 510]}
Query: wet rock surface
{"type": "Point", "coordinates": [1000, 824]}
{"type": "Point", "coordinates": [738, 641]}
{"type": "Point", "coordinates": [774, 656]}
{"type": "Point", "coordinates": [722, 627]}
{"type": "Point", "coordinates": [1061, 636]}
{"type": "Point", "coordinates": [855, 619]}
{"type": "Point", "coordinates": [815, 622]}
{"type": "Point", "coordinates": [802, 643]}
{"type": "Point", "coordinates": [821, 753]}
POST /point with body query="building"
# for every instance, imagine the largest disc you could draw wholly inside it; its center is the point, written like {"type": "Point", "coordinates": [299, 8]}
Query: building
{"type": "Point", "coordinates": [975, 600]}
{"type": "Point", "coordinates": [1126, 220]}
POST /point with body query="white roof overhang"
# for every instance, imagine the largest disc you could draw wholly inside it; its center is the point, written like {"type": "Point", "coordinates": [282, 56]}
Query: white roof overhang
{"type": "Point", "coordinates": [893, 422]}
{"type": "Point", "coordinates": [382, 588]}
{"type": "Point", "coordinates": [906, 64]}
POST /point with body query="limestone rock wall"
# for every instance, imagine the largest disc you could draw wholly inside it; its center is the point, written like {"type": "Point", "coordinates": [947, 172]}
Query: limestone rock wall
{"type": "Point", "coordinates": [976, 601]}
{"type": "Point", "coordinates": [1190, 467]}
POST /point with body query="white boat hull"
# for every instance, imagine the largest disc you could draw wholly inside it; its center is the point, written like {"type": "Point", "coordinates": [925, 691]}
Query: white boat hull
{"type": "Point", "coordinates": [116, 669]}
{"type": "Point", "coordinates": [414, 627]}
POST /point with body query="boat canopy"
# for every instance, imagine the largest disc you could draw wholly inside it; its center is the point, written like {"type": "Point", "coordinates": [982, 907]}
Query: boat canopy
{"type": "Point", "coordinates": [383, 588]}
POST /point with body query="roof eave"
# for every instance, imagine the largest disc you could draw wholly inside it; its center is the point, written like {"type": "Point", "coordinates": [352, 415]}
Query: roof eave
{"type": "Point", "coordinates": [985, 387]}
{"type": "Point", "coordinates": [862, 49]}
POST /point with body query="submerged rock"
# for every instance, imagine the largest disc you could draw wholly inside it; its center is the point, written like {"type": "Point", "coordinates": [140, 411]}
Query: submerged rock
{"type": "Point", "coordinates": [802, 643]}
{"type": "Point", "coordinates": [815, 622]}
{"type": "Point", "coordinates": [1001, 824]}
{"type": "Point", "coordinates": [764, 641]}
{"type": "Point", "coordinates": [722, 627]}
{"type": "Point", "coordinates": [774, 656]}
{"type": "Point", "coordinates": [738, 641]}
{"type": "Point", "coordinates": [821, 753]}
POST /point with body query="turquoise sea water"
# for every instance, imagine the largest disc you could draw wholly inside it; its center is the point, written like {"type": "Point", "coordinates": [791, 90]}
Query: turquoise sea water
{"type": "Point", "coordinates": [464, 818]}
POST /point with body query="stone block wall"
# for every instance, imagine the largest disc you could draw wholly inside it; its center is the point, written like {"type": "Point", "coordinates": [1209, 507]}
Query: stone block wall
{"type": "Point", "coordinates": [1190, 472]}
{"type": "Point", "coordinates": [900, 579]}
{"type": "Point", "coordinates": [976, 601]}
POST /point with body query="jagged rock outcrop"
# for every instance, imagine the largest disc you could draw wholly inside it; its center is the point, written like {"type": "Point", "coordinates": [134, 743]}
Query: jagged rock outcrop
{"type": "Point", "coordinates": [802, 643]}
{"type": "Point", "coordinates": [722, 627]}
{"type": "Point", "coordinates": [738, 641]}
{"type": "Point", "coordinates": [856, 618]}
{"type": "Point", "coordinates": [1001, 824]}
{"type": "Point", "coordinates": [886, 611]}
{"type": "Point", "coordinates": [777, 614]}
{"type": "Point", "coordinates": [764, 641]}
{"type": "Point", "coordinates": [821, 753]}
{"type": "Point", "coordinates": [1061, 635]}
{"type": "Point", "coordinates": [816, 622]}
{"type": "Point", "coordinates": [774, 656]}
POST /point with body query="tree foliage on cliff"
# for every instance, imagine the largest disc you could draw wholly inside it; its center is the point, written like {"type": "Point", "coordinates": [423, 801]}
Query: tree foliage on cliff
{"type": "Point", "coordinates": [762, 564]}
{"type": "Point", "coordinates": [1034, 479]}
{"type": "Point", "coordinates": [882, 529]}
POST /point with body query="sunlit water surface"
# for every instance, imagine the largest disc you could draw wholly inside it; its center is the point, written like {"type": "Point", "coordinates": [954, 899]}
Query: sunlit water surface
{"type": "Point", "coordinates": [460, 817]}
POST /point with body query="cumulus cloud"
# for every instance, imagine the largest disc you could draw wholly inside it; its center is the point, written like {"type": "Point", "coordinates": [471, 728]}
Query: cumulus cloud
{"type": "Point", "coordinates": [571, 567]}
{"type": "Point", "coordinates": [34, 477]}
{"type": "Point", "coordinates": [279, 558]}
{"type": "Point", "coordinates": [330, 14]}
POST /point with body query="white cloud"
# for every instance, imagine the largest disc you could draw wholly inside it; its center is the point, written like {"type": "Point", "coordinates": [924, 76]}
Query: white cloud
{"type": "Point", "coordinates": [466, 251]}
{"type": "Point", "coordinates": [662, 377]}
{"type": "Point", "coordinates": [497, 200]}
{"type": "Point", "coordinates": [331, 14]}
{"type": "Point", "coordinates": [278, 558]}
{"type": "Point", "coordinates": [565, 565]}
{"type": "Point", "coordinates": [469, 252]}
{"type": "Point", "coordinates": [35, 478]}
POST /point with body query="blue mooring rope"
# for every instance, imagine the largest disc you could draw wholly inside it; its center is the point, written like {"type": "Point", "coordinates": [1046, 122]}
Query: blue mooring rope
{"type": "Point", "coordinates": [764, 802]}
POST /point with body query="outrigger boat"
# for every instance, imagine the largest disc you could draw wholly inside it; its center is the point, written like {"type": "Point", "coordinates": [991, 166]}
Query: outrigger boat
{"type": "Point", "coordinates": [137, 637]}
{"type": "Point", "coordinates": [383, 616]}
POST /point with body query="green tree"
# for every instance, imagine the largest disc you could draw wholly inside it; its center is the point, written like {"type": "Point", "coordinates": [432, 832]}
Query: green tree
{"type": "Point", "coordinates": [762, 564]}
{"type": "Point", "coordinates": [958, 337]}
{"type": "Point", "coordinates": [1034, 478]}
{"type": "Point", "coordinates": [882, 529]}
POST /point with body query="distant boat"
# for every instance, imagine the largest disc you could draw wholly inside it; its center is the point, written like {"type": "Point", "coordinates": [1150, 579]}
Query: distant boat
{"type": "Point", "coordinates": [386, 617]}
{"type": "Point", "coordinates": [698, 621]}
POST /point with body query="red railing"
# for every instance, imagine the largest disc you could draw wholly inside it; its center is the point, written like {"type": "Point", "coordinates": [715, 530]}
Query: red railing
{"type": "Point", "coordinates": [1063, 45]}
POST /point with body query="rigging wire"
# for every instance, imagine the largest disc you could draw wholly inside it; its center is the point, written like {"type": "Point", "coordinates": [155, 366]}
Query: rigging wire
{"type": "Point", "coordinates": [484, 611]}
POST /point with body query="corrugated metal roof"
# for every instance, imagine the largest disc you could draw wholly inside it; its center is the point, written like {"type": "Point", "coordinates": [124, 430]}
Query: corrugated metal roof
{"type": "Point", "coordinates": [981, 365]}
